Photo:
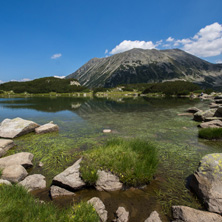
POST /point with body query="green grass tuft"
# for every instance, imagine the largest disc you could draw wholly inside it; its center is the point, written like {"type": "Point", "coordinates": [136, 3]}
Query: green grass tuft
{"type": "Point", "coordinates": [134, 161]}
{"type": "Point", "coordinates": [210, 133]}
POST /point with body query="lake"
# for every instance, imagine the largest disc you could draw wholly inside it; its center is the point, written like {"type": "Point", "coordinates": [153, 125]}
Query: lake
{"type": "Point", "coordinates": [81, 122]}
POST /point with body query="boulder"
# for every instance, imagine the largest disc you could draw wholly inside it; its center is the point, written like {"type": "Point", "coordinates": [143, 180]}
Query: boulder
{"type": "Point", "coordinates": [122, 215]}
{"type": "Point", "coordinates": [218, 101]}
{"type": "Point", "coordinates": [14, 173]}
{"type": "Point", "coordinates": [218, 112]}
{"type": "Point", "coordinates": [207, 119]}
{"type": "Point", "coordinates": [5, 145]}
{"type": "Point", "coordinates": [11, 128]}
{"type": "Point", "coordinates": [34, 182]}
{"type": "Point", "coordinates": [107, 181]}
{"type": "Point", "coordinates": [23, 158]}
{"type": "Point", "coordinates": [193, 110]}
{"type": "Point", "coordinates": [6, 182]}
{"type": "Point", "coordinates": [99, 207]}
{"type": "Point", "coordinates": [187, 214]}
{"type": "Point", "coordinates": [70, 178]}
{"type": "Point", "coordinates": [154, 217]}
{"type": "Point", "coordinates": [211, 124]}
{"type": "Point", "coordinates": [207, 182]}
{"type": "Point", "coordinates": [218, 97]}
{"type": "Point", "coordinates": [201, 115]}
{"type": "Point", "coordinates": [47, 128]}
{"type": "Point", "coordinates": [56, 191]}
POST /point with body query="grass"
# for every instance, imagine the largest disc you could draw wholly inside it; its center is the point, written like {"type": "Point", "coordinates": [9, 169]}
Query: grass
{"type": "Point", "coordinates": [19, 206]}
{"type": "Point", "coordinates": [211, 133]}
{"type": "Point", "coordinates": [133, 161]}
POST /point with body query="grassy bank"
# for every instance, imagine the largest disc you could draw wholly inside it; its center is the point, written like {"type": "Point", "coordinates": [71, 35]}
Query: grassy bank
{"type": "Point", "coordinates": [17, 205]}
{"type": "Point", "coordinates": [211, 133]}
{"type": "Point", "coordinates": [134, 161]}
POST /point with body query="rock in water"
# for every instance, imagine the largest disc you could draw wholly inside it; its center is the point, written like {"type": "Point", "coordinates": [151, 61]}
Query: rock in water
{"type": "Point", "coordinates": [154, 217]}
{"type": "Point", "coordinates": [5, 145]}
{"type": "Point", "coordinates": [56, 191]}
{"type": "Point", "coordinates": [202, 115]}
{"type": "Point", "coordinates": [212, 124]}
{"type": "Point", "coordinates": [207, 182]}
{"type": "Point", "coordinates": [70, 178]}
{"type": "Point", "coordinates": [47, 128]}
{"type": "Point", "coordinates": [11, 128]}
{"type": "Point", "coordinates": [14, 173]}
{"type": "Point", "coordinates": [23, 158]}
{"type": "Point", "coordinates": [122, 215]}
{"type": "Point", "coordinates": [107, 181]}
{"type": "Point", "coordinates": [187, 214]}
{"type": "Point", "coordinates": [34, 182]}
{"type": "Point", "coordinates": [99, 207]}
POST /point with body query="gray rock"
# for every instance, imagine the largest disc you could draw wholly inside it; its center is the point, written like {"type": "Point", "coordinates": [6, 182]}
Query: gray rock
{"type": "Point", "coordinates": [14, 173]}
{"type": "Point", "coordinates": [154, 217]}
{"type": "Point", "coordinates": [34, 182]}
{"type": "Point", "coordinates": [5, 182]}
{"type": "Point", "coordinates": [122, 215]}
{"type": "Point", "coordinates": [193, 110]}
{"type": "Point", "coordinates": [214, 106]}
{"type": "Point", "coordinates": [107, 181]}
{"type": "Point", "coordinates": [201, 115]}
{"type": "Point", "coordinates": [211, 124]}
{"type": "Point", "coordinates": [207, 119]}
{"type": "Point", "coordinates": [218, 112]}
{"type": "Point", "coordinates": [207, 182]}
{"type": "Point", "coordinates": [56, 191]}
{"type": "Point", "coordinates": [5, 145]}
{"type": "Point", "coordinates": [11, 128]}
{"type": "Point", "coordinates": [187, 214]}
{"type": "Point", "coordinates": [99, 207]}
{"type": "Point", "coordinates": [70, 178]}
{"type": "Point", "coordinates": [47, 128]}
{"type": "Point", "coordinates": [23, 158]}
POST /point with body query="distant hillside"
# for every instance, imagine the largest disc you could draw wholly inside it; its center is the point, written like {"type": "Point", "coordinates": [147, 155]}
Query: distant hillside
{"type": "Point", "coordinates": [44, 85]}
{"type": "Point", "coordinates": [148, 66]}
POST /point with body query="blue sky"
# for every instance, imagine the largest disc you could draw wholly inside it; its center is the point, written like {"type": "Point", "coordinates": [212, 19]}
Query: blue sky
{"type": "Point", "coordinates": [41, 38]}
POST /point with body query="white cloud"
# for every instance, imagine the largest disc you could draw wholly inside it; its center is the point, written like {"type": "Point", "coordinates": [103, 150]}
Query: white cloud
{"type": "Point", "coordinates": [219, 61]}
{"type": "Point", "coordinates": [128, 44]}
{"type": "Point", "coordinates": [158, 43]}
{"type": "Point", "coordinates": [170, 39]}
{"type": "Point", "coordinates": [106, 51]}
{"type": "Point", "coordinates": [24, 80]}
{"type": "Point", "coordinates": [60, 77]}
{"type": "Point", "coordinates": [1, 82]}
{"type": "Point", "coordinates": [56, 56]}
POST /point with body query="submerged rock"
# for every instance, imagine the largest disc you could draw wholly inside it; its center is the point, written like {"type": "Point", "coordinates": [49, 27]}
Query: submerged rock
{"type": "Point", "coordinates": [207, 182]}
{"type": "Point", "coordinates": [211, 124]}
{"type": "Point", "coordinates": [122, 215]}
{"type": "Point", "coordinates": [34, 182]}
{"type": "Point", "coordinates": [107, 181]}
{"type": "Point", "coordinates": [23, 158]}
{"type": "Point", "coordinates": [11, 128]}
{"type": "Point", "coordinates": [14, 173]}
{"type": "Point", "coordinates": [187, 214]}
{"type": "Point", "coordinates": [56, 191]}
{"type": "Point", "coordinates": [154, 217]}
{"type": "Point", "coordinates": [99, 207]}
{"type": "Point", "coordinates": [5, 145]}
{"type": "Point", "coordinates": [47, 128]}
{"type": "Point", "coordinates": [70, 178]}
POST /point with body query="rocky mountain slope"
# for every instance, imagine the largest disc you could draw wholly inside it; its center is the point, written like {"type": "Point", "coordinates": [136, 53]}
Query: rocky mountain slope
{"type": "Point", "coordinates": [148, 66]}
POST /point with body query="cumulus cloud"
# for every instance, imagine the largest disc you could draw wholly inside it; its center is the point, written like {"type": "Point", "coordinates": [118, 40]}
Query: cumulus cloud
{"type": "Point", "coordinates": [128, 44]}
{"type": "Point", "coordinates": [170, 39]}
{"type": "Point", "coordinates": [60, 77]}
{"type": "Point", "coordinates": [21, 80]}
{"type": "Point", "coordinates": [106, 51]}
{"type": "Point", "coordinates": [56, 56]}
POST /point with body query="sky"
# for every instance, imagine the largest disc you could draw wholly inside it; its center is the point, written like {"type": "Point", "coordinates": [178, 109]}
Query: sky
{"type": "Point", "coordinates": [40, 38]}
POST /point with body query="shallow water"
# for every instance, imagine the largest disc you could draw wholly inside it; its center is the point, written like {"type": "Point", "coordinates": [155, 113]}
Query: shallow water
{"type": "Point", "coordinates": [81, 122]}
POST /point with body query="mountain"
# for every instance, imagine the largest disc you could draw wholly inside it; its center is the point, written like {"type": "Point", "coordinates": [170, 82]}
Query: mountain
{"type": "Point", "coordinates": [148, 66]}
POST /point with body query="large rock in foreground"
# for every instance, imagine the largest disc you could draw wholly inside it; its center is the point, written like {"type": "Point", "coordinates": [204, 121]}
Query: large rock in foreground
{"type": "Point", "coordinates": [70, 178]}
{"type": "Point", "coordinates": [99, 207]}
{"type": "Point", "coordinates": [34, 182]}
{"type": "Point", "coordinates": [56, 191]}
{"type": "Point", "coordinates": [5, 145]}
{"type": "Point", "coordinates": [47, 128]}
{"type": "Point", "coordinates": [23, 158]}
{"type": "Point", "coordinates": [11, 128]}
{"type": "Point", "coordinates": [187, 214]}
{"type": "Point", "coordinates": [107, 181]}
{"type": "Point", "coordinates": [154, 217]}
{"type": "Point", "coordinates": [14, 173]}
{"type": "Point", "coordinates": [207, 182]}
